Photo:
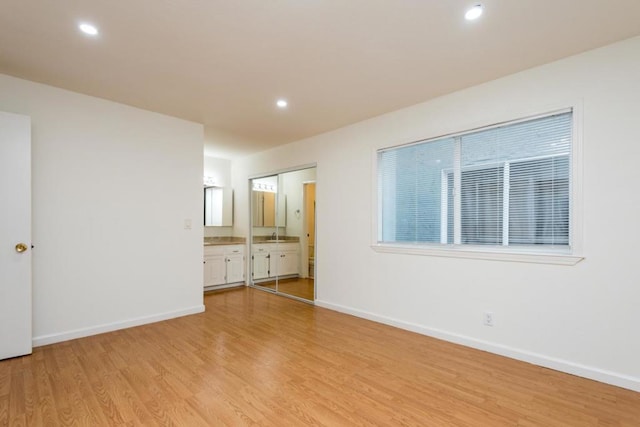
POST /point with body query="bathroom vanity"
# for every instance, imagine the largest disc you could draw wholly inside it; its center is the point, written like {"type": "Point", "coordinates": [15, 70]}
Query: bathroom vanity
{"type": "Point", "coordinates": [224, 263]}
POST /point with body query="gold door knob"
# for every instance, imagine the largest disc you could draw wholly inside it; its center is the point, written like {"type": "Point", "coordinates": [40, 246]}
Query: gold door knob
{"type": "Point", "coordinates": [21, 247]}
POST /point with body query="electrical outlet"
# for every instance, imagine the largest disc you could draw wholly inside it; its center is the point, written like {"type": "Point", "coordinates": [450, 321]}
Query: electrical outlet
{"type": "Point", "coordinates": [488, 318]}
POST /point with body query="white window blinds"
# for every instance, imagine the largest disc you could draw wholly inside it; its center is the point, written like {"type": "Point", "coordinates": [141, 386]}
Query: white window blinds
{"type": "Point", "coordinates": [504, 185]}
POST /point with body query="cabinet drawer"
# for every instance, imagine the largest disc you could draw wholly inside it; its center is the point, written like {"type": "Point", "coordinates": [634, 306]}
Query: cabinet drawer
{"type": "Point", "coordinates": [262, 248]}
{"type": "Point", "coordinates": [223, 250]}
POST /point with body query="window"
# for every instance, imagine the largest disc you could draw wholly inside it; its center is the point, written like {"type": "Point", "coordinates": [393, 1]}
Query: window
{"type": "Point", "coordinates": [505, 186]}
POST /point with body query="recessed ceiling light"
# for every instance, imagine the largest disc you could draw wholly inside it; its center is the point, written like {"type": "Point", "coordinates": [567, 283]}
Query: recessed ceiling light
{"type": "Point", "coordinates": [282, 103]}
{"type": "Point", "coordinates": [88, 29]}
{"type": "Point", "coordinates": [474, 12]}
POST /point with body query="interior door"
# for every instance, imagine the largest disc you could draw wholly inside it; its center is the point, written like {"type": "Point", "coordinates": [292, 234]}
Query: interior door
{"type": "Point", "coordinates": [15, 235]}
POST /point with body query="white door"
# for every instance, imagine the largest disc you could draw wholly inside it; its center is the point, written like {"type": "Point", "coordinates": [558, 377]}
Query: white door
{"type": "Point", "coordinates": [15, 235]}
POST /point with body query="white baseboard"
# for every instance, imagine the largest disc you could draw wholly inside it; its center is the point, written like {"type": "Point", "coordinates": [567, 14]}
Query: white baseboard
{"type": "Point", "coordinates": [590, 372]}
{"type": "Point", "coordinates": [100, 329]}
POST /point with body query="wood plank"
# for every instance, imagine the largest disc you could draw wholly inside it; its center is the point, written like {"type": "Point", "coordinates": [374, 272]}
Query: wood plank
{"type": "Point", "coordinates": [254, 358]}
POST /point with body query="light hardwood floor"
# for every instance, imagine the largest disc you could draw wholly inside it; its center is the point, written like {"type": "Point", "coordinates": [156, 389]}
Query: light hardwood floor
{"type": "Point", "coordinates": [255, 358]}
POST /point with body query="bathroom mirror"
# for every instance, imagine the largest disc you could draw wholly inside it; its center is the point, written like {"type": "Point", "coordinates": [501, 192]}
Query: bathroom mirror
{"type": "Point", "coordinates": [218, 207]}
{"type": "Point", "coordinates": [264, 208]}
{"type": "Point", "coordinates": [268, 205]}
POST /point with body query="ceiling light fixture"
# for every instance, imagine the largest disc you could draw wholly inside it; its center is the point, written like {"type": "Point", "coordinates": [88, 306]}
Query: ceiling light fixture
{"type": "Point", "coordinates": [474, 12]}
{"type": "Point", "coordinates": [88, 29]}
{"type": "Point", "coordinates": [282, 103]}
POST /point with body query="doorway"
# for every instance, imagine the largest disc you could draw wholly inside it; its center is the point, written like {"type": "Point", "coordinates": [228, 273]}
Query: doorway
{"type": "Point", "coordinates": [309, 228]}
{"type": "Point", "coordinates": [282, 242]}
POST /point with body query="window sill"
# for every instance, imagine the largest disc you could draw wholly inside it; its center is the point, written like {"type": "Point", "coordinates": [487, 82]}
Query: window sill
{"type": "Point", "coordinates": [480, 253]}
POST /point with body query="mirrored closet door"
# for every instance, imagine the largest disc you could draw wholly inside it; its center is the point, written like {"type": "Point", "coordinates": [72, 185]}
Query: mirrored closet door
{"type": "Point", "coordinates": [283, 233]}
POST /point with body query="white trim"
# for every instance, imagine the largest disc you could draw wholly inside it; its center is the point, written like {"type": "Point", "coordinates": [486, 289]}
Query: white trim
{"type": "Point", "coordinates": [457, 191]}
{"type": "Point", "coordinates": [376, 196]}
{"type": "Point", "coordinates": [478, 128]}
{"type": "Point", "coordinates": [109, 327]}
{"type": "Point", "coordinates": [491, 254]}
{"type": "Point", "coordinates": [590, 372]}
{"type": "Point", "coordinates": [576, 193]}
{"type": "Point", "coordinates": [280, 171]}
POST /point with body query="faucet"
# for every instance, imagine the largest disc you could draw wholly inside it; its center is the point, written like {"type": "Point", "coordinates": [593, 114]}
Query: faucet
{"type": "Point", "coordinates": [273, 236]}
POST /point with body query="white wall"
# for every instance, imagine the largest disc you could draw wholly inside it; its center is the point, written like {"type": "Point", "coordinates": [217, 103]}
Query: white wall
{"type": "Point", "coordinates": [582, 319]}
{"type": "Point", "coordinates": [112, 187]}
{"type": "Point", "coordinates": [219, 170]}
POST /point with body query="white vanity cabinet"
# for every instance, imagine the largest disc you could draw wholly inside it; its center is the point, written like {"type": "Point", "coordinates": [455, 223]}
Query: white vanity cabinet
{"type": "Point", "coordinates": [272, 260]}
{"type": "Point", "coordinates": [285, 259]}
{"type": "Point", "coordinates": [223, 264]}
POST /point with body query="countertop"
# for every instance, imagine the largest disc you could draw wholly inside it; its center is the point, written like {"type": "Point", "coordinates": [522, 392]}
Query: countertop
{"type": "Point", "coordinates": [279, 239]}
{"type": "Point", "coordinates": [218, 241]}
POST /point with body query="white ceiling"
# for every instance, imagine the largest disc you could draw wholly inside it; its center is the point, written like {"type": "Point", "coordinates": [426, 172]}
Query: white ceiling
{"type": "Point", "coordinates": [225, 62]}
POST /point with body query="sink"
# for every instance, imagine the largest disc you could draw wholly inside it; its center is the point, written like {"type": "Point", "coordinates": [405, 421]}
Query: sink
{"type": "Point", "coordinates": [275, 241]}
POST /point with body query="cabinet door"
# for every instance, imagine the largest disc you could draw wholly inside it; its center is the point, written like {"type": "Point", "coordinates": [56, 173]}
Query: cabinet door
{"type": "Point", "coordinates": [260, 265]}
{"type": "Point", "coordinates": [288, 263]}
{"type": "Point", "coordinates": [214, 270]}
{"type": "Point", "coordinates": [235, 268]}
{"type": "Point", "coordinates": [274, 263]}
{"type": "Point", "coordinates": [284, 263]}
